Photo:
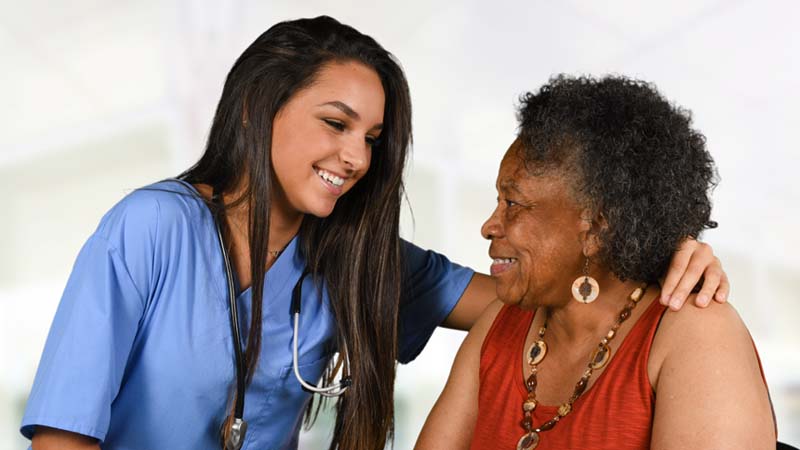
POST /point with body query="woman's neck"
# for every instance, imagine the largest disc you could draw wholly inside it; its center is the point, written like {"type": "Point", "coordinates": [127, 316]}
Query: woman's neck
{"type": "Point", "coordinates": [284, 225]}
{"type": "Point", "coordinates": [284, 221]}
{"type": "Point", "coordinates": [575, 322]}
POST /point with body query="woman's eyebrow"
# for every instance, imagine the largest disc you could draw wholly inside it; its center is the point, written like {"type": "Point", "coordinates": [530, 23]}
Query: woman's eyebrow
{"type": "Point", "coordinates": [343, 107]}
{"type": "Point", "coordinates": [350, 112]}
{"type": "Point", "coordinates": [509, 184]}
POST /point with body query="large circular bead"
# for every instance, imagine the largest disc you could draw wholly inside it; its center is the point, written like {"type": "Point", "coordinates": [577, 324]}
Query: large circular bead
{"type": "Point", "coordinates": [529, 441]}
{"type": "Point", "coordinates": [585, 289]}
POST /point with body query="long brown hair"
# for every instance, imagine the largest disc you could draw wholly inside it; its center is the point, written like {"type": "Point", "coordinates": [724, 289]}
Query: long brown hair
{"type": "Point", "coordinates": [363, 228]}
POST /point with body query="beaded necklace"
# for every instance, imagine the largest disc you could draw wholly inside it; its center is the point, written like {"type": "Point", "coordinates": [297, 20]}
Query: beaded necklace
{"type": "Point", "coordinates": [600, 357]}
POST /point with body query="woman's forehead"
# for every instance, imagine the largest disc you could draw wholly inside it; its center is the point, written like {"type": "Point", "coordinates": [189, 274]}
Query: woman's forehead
{"type": "Point", "coordinates": [516, 176]}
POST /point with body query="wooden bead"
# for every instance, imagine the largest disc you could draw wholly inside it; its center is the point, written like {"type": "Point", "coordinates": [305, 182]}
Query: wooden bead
{"type": "Point", "coordinates": [531, 383]}
{"type": "Point", "coordinates": [564, 409]}
{"type": "Point", "coordinates": [549, 424]}
{"type": "Point", "coordinates": [529, 405]}
{"type": "Point", "coordinates": [580, 386]}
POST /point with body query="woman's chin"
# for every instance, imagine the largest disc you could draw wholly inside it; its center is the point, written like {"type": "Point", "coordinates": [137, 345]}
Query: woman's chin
{"type": "Point", "coordinates": [320, 209]}
{"type": "Point", "coordinates": [509, 298]}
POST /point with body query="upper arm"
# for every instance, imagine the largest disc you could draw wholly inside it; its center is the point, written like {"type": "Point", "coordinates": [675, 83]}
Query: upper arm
{"type": "Point", "coordinates": [54, 439]}
{"type": "Point", "coordinates": [479, 294]}
{"type": "Point", "coordinates": [452, 419]}
{"type": "Point", "coordinates": [709, 389]}
{"type": "Point", "coordinates": [95, 325]}
{"type": "Point", "coordinates": [432, 285]}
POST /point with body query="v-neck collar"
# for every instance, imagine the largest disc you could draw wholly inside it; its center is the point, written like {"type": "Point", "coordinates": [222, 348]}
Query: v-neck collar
{"type": "Point", "coordinates": [286, 269]}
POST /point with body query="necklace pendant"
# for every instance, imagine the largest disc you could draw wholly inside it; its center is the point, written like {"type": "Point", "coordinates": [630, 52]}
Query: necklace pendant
{"type": "Point", "coordinates": [529, 441]}
{"type": "Point", "coordinates": [600, 357]}
{"type": "Point", "coordinates": [537, 352]}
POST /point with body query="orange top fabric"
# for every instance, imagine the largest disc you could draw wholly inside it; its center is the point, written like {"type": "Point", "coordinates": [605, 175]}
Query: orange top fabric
{"type": "Point", "coordinates": [616, 412]}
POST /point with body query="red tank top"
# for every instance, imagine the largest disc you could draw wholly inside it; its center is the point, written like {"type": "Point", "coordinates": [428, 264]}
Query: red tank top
{"type": "Point", "coordinates": [614, 413]}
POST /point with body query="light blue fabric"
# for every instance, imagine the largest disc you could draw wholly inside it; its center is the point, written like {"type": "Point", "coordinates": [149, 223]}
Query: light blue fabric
{"type": "Point", "coordinates": [140, 353]}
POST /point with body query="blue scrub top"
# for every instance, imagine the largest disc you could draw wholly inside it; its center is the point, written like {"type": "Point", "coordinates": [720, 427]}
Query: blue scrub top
{"type": "Point", "coordinates": [140, 353]}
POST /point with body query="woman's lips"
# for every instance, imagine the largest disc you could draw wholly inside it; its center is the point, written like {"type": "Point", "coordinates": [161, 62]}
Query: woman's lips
{"type": "Point", "coordinates": [500, 265]}
{"type": "Point", "coordinates": [331, 182]}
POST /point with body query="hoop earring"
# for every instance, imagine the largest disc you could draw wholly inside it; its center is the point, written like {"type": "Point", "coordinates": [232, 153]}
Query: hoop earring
{"type": "Point", "coordinates": [585, 288]}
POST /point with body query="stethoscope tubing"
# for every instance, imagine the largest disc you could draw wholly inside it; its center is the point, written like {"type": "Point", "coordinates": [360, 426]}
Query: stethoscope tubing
{"type": "Point", "coordinates": [328, 391]}
{"type": "Point", "coordinates": [234, 320]}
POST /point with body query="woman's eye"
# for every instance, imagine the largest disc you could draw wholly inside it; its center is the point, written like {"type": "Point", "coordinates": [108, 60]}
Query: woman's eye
{"type": "Point", "coordinates": [372, 141]}
{"type": "Point", "coordinates": [335, 124]}
{"type": "Point", "coordinates": [511, 203]}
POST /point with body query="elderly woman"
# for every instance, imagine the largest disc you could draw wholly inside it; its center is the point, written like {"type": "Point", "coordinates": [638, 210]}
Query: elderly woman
{"type": "Point", "coordinates": [605, 179]}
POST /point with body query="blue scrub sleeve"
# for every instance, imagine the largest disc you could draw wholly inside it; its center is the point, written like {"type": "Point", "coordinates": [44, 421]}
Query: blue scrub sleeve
{"type": "Point", "coordinates": [432, 285]}
{"type": "Point", "coordinates": [90, 339]}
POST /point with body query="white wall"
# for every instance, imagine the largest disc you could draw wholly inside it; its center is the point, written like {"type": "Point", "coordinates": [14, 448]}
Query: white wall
{"type": "Point", "coordinates": [102, 97]}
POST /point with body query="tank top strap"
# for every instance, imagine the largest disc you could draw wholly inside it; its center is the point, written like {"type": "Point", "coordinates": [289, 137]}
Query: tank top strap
{"type": "Point", "coordinates": [508, 330]}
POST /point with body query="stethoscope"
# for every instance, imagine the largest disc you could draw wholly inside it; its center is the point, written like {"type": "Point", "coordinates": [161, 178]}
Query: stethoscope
{"type": "Point", "coordinates": [239, 425]}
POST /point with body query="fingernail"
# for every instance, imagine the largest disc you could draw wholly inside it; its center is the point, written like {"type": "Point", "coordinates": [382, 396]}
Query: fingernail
{"type": "Point", "coordinates": [675, 303]}
{"type": "Point", "coordinates": [702, 300]}
{"type": "Point", "coordinates": [721, 296]}
{"type": "Point", "coordinates": [665, 300]}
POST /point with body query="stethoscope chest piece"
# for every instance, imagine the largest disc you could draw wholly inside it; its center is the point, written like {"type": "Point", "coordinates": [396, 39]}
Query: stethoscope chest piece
{"type": "Point", "coordinates": [236, 436]}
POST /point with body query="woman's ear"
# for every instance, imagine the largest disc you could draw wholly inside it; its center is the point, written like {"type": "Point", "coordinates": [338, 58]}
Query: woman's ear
{"type": "Point", "coordinates": [593, 224]}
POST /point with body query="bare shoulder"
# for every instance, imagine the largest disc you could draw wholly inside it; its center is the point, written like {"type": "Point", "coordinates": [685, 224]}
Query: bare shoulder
{"type": "Point", "coordinates": [702, 362]}
{"type": "Point", "coordinates": [485, 321]}
{"type": "Point", "coordinates": [695, 332]}
{"type": "Point", "coordinates": [716, 323]}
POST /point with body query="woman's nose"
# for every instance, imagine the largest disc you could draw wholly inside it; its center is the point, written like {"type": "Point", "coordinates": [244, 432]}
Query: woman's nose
{"type": "Point", "coordinates": [355, 154]}
{"type": "Point", "coordinates": [492, 227]}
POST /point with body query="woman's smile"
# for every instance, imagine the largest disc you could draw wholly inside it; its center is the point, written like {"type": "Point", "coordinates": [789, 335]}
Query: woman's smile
{"type": "Point", "coordinates": [332, 182]}
{"type": "Point", "coordinates": [500, 265]}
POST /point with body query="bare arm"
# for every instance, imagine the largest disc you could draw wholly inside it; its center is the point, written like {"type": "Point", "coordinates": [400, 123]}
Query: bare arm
{"type": "Point", "coordinates": [709, 390]}
{"type": "Point", "coordinates": [55, 439]}
{"type": "Point", "coordinates": [479, 294]}
{"type": "Point", "coordinates": [451, 421]}
{"type": "Point", "coordinates": [692, 261]}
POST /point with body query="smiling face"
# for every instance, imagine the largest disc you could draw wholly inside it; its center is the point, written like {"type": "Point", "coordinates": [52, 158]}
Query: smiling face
{"type": "Point", "coordinates": [536, 233]}
{"type": "Point", "coordinates": [322, 137]}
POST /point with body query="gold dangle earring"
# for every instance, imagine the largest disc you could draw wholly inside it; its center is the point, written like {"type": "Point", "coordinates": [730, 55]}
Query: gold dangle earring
{"type": "Point", "coordinates": [585, 288]}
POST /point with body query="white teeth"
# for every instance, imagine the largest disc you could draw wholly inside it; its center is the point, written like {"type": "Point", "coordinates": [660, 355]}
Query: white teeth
{"type": "Point", "coordinates": [503, 260]}
{"type": "Point", "coordinates": [330, 178]}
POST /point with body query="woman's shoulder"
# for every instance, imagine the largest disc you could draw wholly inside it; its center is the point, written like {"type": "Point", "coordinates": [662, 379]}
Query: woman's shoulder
{"type": "Point", "coordinates": [698, 336]}
{"type": "Point", "coordinates": [715, 322]}
{"type": "Point", "coordinates": [151, 210]}
{"type": "Point", "coordinates": [486, 322]}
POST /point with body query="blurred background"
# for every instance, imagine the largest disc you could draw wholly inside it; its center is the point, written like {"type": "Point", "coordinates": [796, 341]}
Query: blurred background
{"type": "Point", "coordinates": [105, 96]}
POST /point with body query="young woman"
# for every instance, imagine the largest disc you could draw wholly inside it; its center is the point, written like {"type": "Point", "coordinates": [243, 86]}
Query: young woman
{"type": "Point", "coordinates": [300, 186]}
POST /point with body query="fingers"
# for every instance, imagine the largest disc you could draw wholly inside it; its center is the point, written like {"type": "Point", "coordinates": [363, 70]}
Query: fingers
{"type": "Point", "coordinates": [712, 279]}
{"type": "Point", "coordinates": [677, 267]}
{"type": "Point", "coordinates": [688, 281]}
{"type": "Point", "coordinates": [724, 289]}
